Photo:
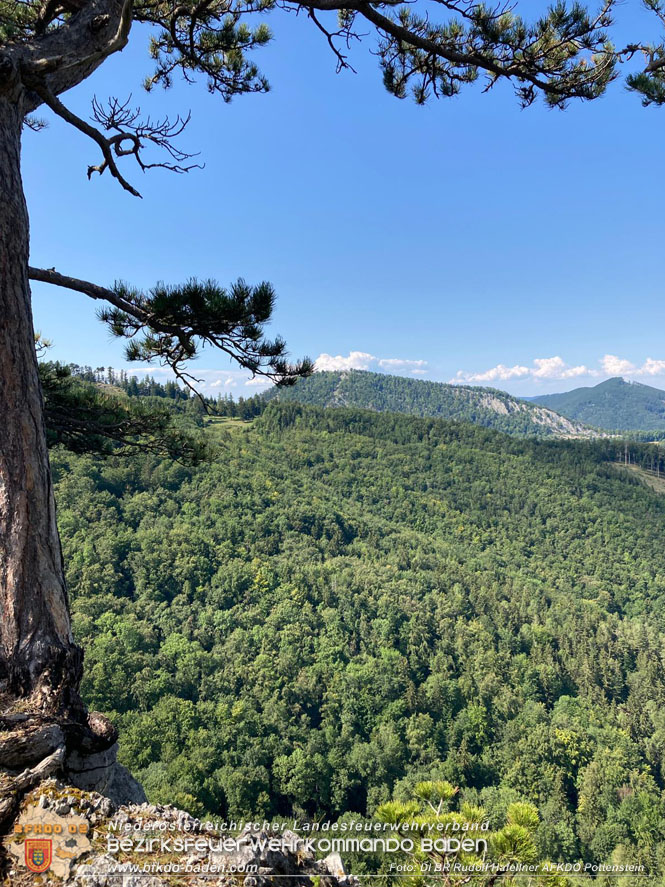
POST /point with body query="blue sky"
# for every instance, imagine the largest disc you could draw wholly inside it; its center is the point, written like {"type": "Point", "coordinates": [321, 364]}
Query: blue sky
{"type": "Point", "coordinates": [464, 240]}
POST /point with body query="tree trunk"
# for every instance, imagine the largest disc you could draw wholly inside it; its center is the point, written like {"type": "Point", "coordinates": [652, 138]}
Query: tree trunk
{"type": "Point", "coordinates": [40, 665]}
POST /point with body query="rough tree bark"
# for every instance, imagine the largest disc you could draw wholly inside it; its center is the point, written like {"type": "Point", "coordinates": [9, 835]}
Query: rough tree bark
{"type": "Point", "coordinates": [40, 664]}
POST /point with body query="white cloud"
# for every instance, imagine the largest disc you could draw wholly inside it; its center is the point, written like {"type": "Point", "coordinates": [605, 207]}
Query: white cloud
{"type": "Point", "coordinates": [555, 369]}
{"type": "Point", "coordinates": [543, 368]}
{"type": "Point", "coordinates": [616, 366]}
{"type": "Point", "coordinates": [211, 380]}
{"type": "Point", "coordinates": [398, 363]}
{"type": "Point", "coordinates": [653, 367]}
{"type": "Point", "coordinates": [229, 382]}
{"type": "Point", "coordinates": [258, 381]}
{"type": "Point", "coordinates": [149, 371]}
{"type": "Point", "coordinates": [356, 360]}
{"type": "Point", "coordinates": [207, 381]}
{"type": "Point", "coordinates": [362, 360]}
{"type": "Point", "coordinates": [498, 373]}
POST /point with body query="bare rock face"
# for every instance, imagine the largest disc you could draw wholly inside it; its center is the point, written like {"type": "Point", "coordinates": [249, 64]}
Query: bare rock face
{"type": "Point", "coordinates": [122, 788]}
{"type": "Point", "coordinates": [34, 746]}
{"type": "Point", "coordinates": [30, 744]}
{"type": "Point", "coordinates": [77, 838]}
{"type": "Point", "coordinates": [102, 773]}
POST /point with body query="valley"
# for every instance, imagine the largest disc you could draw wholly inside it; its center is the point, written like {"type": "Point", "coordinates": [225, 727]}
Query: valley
{"type": "Point", "coordinates": [344, 603]}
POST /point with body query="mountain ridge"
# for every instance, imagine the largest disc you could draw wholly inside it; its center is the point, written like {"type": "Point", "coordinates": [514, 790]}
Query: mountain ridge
{"type": "Point", "coordinates": [615, 404]}
{"type": "Point", "coordinates": [381, 392]}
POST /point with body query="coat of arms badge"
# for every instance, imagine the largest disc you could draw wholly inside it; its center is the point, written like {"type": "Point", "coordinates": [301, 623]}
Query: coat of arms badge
{"type": "Point", "coordinates": [38, 854]}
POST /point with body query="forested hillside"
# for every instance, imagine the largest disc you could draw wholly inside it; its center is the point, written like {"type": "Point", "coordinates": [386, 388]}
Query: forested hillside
{"type": "Point", "coordinates": [615, 404]}
{"type": "Point", "coordinates": [383, 393]}
{"type": "Point", "coordinates": [345, 603]}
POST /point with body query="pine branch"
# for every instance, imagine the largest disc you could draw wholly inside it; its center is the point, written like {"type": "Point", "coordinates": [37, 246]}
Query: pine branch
{"type": "Point", "coordinates": [86, 419]}
{"type": "Point", "coordinates": [171, 325]}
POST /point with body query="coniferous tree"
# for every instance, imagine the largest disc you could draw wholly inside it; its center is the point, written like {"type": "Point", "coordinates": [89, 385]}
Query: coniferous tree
{"type": "Point", "coordinates": [85, 418]}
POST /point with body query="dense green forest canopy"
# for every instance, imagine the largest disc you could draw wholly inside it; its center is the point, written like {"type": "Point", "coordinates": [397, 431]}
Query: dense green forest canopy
{"type": "Point", "coordinates": [345, 603]}
{"type": "Point", "coordinates": [397, 394]}
{"type": "Point", "coordinates": [615, 404]}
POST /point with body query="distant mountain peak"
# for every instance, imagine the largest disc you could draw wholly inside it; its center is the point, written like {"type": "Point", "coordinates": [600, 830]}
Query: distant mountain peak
{"type": "Point", "coordinates": [616, 404]}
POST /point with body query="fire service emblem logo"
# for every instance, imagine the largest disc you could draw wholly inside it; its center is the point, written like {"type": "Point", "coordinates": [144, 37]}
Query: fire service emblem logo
{"type": "Point", "coordinates": [38, 854]}
{"type": "Point", "coordinates": [43, 840]}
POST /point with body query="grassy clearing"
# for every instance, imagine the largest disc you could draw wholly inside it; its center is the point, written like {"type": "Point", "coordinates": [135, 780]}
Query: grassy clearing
{"type": "Point", "coordinates": [217, 425]}
{"type": "Point", "coordinates": [649, 478]}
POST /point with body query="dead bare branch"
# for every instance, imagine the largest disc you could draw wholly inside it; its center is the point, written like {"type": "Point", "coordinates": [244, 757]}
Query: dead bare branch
{"type": "Point", "coordinates": [131, 133]}
{"type": "Point", "coordinates": [54, 103]}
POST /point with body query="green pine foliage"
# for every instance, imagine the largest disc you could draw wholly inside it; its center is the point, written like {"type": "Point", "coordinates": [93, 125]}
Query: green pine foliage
{"type": "Point", "coordinates": [650, 81]}
{"type": "Point", "coordinates": [87, 416]}
{"type": "Point", "coordinates": [564, 53]}
{"type": "Point", "coordinates": [172, 324]}
{"type": "Point", "coordinates": [344, 605]}
{"type": "Point", "coordinates": [437, 813]}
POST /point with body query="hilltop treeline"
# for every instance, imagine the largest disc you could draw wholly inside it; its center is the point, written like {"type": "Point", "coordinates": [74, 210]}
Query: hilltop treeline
{"type": "Point", "coordinates": [148, 386]}
{"type": "Point", "coordinates": [382, 393]}
{"type": "Point", "coordinates": [343, 604]}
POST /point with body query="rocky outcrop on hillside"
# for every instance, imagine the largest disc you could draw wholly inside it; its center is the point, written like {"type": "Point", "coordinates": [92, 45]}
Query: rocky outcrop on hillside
{"type": "Point", "coordinates": [34, 747]}
{"type": "Point", "coordinates": [505, 405]}
{"type": "Point", "coordinates": [93, 842]}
